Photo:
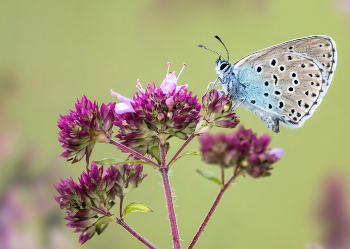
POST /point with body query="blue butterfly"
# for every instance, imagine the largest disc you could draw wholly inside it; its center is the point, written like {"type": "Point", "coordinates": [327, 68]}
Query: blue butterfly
{"type": "Point", "coordinates": [283, 83]}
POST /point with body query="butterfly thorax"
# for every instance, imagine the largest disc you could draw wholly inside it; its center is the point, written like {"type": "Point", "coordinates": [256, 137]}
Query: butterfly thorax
{"type": "Point", "coordinates": [229, 80]}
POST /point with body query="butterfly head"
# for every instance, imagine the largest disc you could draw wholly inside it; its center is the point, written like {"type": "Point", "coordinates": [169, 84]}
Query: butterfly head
{"type": "Point", "coordinates": [222, 66]}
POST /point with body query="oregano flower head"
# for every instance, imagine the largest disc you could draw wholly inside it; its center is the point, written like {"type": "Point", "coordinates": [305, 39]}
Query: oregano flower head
{"type": "Point", "coordinates": [90, 200]}
{"type": "Point", "coordinates": [129, 177]}
{"type": "Point", "coordinates": [217, 111]}
{"type": "Point", "coordinates": [243, 149]}
{"type": "Point", "coordinates": [82, 128]}
{"type": "Point", "coordinates": [156, 114]}
{"type": "Point", "coordinates": [87, 202]}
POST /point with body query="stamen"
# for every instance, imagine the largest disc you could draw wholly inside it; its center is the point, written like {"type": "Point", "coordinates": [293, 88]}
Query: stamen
{"type": "Point", "coordinates": [114, 93]}
{"type": "Point", "coordinates": [183, 66]}
{"type": "Point", "coordinates": [169, 64]}
{"type": "Point", "coordinates": [120, 97]}
{"type": "Point", "coordinates": [139, 86]}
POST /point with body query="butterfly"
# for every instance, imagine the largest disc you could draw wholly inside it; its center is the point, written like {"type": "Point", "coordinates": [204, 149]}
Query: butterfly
{"type": "Point", "coordinates": [284, 83]}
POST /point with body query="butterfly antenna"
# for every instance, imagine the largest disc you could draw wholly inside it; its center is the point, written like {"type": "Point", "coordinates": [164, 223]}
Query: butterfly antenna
{"type": "Point", "coordinates": [201, 46]}
{"type": "Point", "coordinates": [228, 56]}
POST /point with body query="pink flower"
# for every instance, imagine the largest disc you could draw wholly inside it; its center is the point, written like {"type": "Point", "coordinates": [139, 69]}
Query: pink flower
{"type": "Point", "coordinates": [168, 86]}
{"type": "Point", "coordinates": [277, 152]}
{"type": "Point", "coordinates": [124, 107]}
{"type": "Point", "coordinates": [169, 83]}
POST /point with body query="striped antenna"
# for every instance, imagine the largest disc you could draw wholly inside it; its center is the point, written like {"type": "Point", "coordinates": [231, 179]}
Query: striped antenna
{"type": "Point", "coordinates": [228, 56]}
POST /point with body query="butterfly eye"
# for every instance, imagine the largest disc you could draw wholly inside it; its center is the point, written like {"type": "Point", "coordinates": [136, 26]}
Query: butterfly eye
{"type": "Point", "coordinates": [223, 65]}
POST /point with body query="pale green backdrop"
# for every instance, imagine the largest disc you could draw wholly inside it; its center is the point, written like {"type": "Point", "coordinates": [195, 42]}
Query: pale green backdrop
{"type": "Point", "coordinates": [52, 52]}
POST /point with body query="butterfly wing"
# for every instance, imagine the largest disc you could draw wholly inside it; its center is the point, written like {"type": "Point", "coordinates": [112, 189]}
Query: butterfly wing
{"type": "Point", "coordinates": [286, 82]}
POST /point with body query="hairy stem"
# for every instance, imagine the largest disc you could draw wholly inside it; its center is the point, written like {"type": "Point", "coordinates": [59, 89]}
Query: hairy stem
{"type": "Point", "coordinates": [213, 207]}
{"type": "Point", "coordinates": [162, 155]}
{"type": "Point", "coordinates": [123, 148]}
{"type": "Point", "coordinates": [135, 234]}
{"type": "Point", "coordinates": [182, 147]}
{"type": "Point", "coordinates": [169, 199]}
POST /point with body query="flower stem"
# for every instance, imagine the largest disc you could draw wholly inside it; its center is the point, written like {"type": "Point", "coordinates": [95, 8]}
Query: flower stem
{"type": "Point", "coordinates": [213, 207]}
{"type": "Point", "coordinates": [123, 148]}
{"type": "Point", "coordinates": [135, 234]}
{"type": "Point", "coordinates": [170, 205]}
{"type": "Point", "coordinates": [222, 175]}
{"type": "Point", "coordinates": [162, 155]}
{"type": "Point", "coordinates": [97, 210]}
{"type": "Point", "coordinates": [121, 206]}
{"type": "Point", "coordinates": [182, 147]}
{"type": "Point", "coordinates": [169, 199]}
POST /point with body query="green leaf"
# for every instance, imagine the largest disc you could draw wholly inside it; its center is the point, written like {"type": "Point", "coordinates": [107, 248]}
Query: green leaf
{"type": "Point", "coordinates": [187, 153]}
{"type": "Point", "coordinates": [136, 207]}
{"type": "Point", "coordinates": [181, 135]}
{"type": "Point", "coordinates": [155, 152]}
{"type": "Point", "coordinates": [108, 161]}
{"type": "Point", "coordinates": [135, 162]}
{"type": "Point", "coordinates": [191, 153]}
{"type": "Point", "coordinates": [118, 161]}
{"type": "Point", "coordinates": [105, 219]}
{"type": "Point", "coordinates": [209, 175]}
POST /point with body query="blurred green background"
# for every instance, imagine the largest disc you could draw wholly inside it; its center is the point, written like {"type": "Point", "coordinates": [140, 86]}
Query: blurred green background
{"type": "Point", "coordinates": [52, 52]}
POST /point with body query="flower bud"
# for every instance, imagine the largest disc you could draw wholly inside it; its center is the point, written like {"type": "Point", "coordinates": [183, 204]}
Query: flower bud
{"type": "Point", "coordinates": [170, 104]}
{"type": "Point", "coordinates": [160, 116]}
{"type": "Point", "coordinates": [202, 127]}
{"type": "Point", "coordinates": [170, 115]}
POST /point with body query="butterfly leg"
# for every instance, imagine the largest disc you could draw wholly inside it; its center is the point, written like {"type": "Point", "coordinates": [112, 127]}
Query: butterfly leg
{"type": "Point", "coordinates": [221, 92]}
{"type": "Point", "coordinates": [243, 99]}
{"type": "Point", "coordinates": [215, 83]}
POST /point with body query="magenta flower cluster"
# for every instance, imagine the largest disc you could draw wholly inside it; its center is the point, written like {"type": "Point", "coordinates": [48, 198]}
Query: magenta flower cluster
{"type": "Point", "coordinates": [82, 128]}
{"type": "Point", "coordinates": [243, 149]}
{"type": "Point", "coordinates": [87, 202]}
{"type": "Point", "coordinates": [157, 114]}
{"type": "Point", "coordinates": [217, 111]}
{"type": "Point", "coordinates": [129, 177]}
